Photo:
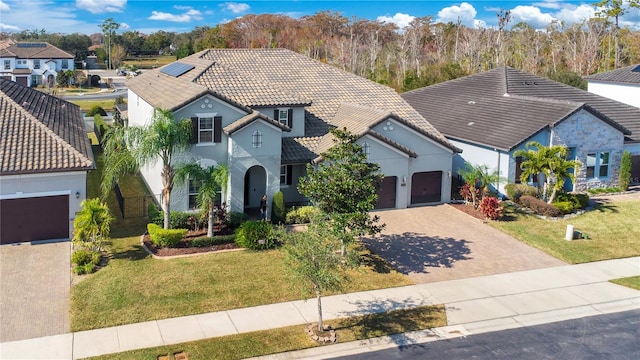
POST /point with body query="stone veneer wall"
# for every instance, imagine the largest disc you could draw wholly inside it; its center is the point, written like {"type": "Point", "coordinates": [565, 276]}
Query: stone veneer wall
{"type": "Point", "coordinates": [589, 134]}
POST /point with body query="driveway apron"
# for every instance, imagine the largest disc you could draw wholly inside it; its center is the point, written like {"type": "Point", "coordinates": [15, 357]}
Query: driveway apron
{"type": "Point", "coordinates": [438, 243]}
{"type": "Point", "coordinates": [35, 283]}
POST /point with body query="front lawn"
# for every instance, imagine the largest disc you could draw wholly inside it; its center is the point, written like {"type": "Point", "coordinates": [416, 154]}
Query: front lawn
{"type": "Point", "coordinates": [612, 230]}
{"type": "Point", "coordinates": [291, 338]}
{"type": "Point", "coordinates": [135, 288]}
{"type": "Point", "coordinates": [630, 282]}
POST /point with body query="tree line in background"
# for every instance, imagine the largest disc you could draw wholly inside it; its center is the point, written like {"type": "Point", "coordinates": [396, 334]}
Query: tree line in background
{"type": "Point", "coordinates": [423, 53]}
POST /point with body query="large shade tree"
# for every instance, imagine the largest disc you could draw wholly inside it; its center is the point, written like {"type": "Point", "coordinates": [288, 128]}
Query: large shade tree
{"type": "Point", "coordinates": [343, 186]}
{"type": "Point", "coordinates": [126, 149]}
{"type": "Point", "coordinates": [211, 181]}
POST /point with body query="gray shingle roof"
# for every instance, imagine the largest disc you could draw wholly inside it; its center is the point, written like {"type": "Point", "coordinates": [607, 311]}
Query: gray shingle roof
{"type": "Point", "coordinates": [47, 51]}
{"type": "Point", "coordinates": [277, 77]}
{"type": "Point", "coordinates": [40, 133]}
{"type": "Point", "coordinates": [503, 107]}
{"type": "Point", "coordinates": [628, 75]}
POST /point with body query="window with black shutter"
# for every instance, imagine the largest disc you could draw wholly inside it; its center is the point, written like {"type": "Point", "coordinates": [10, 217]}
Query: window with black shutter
{"type": "Point", "coordinates": [284, 116]}
{"type": "Point", "coordinates": [286, 174]}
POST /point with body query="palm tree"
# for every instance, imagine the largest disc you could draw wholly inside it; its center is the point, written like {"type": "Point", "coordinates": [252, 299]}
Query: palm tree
{"type": "Point", "coordinates": [533, 163]}
{"type": "Point", "coordinates": [560, 168]}
{"type": "Point", "coordinates": [126, 149]}
{"type": "Point", "coordinates": [211, 180]}
{"type": "Point", "coordinates": [92, 223]}
{"type": "Point", "coordinates": [471, 174]}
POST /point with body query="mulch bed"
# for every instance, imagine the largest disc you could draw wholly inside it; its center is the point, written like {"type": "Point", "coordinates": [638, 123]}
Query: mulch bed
{"type": "Point", "coordinates": [184, 246]}
{"type": "Point", "coordinates": [468, 209]}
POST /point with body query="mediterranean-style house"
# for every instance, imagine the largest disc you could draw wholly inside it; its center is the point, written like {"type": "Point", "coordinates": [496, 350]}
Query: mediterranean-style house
{"type": "Point", "coordinates": [266, 113]}
{"type": "Point", "coordinates": [44, 159]}
{"type": "Point", "coordinates": [622, 85]}
{"type": "Point", "coordinates": [33, 63]}
{"type": "Point", "coordinates": [491, 115]}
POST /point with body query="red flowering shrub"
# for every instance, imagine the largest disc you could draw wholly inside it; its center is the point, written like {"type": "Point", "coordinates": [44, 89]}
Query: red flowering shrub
{"type": "Point", "coordinates": [491, 208]}
{"type": "Point", "coordinates": [465, 192]}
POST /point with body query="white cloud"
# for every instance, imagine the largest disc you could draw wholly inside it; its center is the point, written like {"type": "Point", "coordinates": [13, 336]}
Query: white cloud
{"type": "Point", "coordinates": [7, 27]}
{"type": "Point", "coordinates": [576, 14]}
{"type": "Point", "coordinates": [532, 16]}
{"type": "Point", "coordinates": [479, 24]}
{"type": "Point", "coordinates": [549, 4]}
{"type": "Point", "coordinates": [125, 26]}
{"type": "Point", "coordinates": [4, 6]}
{"type": "Point", "coordinates": [236, 8]}
{"type": "Point", "coordinates": [101, 6]}
{"type": "Point", "coordinates": [181, 7]}
{"type": "Point", "coordinates": [465, 12]}
{"type": "Point", "coordinates": [186, 17]}
{"type": "Point", "coordinates": [400, 19]}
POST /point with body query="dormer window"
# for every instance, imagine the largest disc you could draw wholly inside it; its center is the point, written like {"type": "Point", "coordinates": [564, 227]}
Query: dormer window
{"type": "Point", "coordinates": [284, 116]}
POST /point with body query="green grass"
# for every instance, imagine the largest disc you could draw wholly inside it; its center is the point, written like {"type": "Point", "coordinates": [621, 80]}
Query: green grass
{"type": "Point", "coordinates": [150, 62]}
{"type": "Point", "coordinates": [612, 229]}
{"type": "Point", "coordinates": [291, 338]}
{"type": "Point", "coordinates": [85, 105]}
{"type": "Point", "coordinates": [631, 282]}
{"type": "Point", "coordinates": [135, 288]}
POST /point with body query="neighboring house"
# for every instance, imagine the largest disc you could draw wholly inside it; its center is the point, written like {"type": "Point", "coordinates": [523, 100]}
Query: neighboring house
{"type": "Point", "coordinates": [490, 115]}
{"type": "Point", "coordinates": [622, 85]}
{"type": "Point", "coordinates": [267, 112]}
{"type": "Point", "coordinates": [45, 156]}
{"type": "Point", "coordinates": [33, 63]}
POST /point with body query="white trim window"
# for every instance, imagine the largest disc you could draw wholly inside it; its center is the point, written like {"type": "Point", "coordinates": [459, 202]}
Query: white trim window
{"type": "Point", "coordinates": [256, 139]}
{"type": "Point", "coordinates": [193, 190]}
{"type": "Point", "coordinates": [205, 130]}
{"type": "Point", "coordinates": [36, 64]}
{"type": "Point", "coordinates": [598, 165]}
{"type": "Point", "coordinates": [283, 116]}
{"type": "Point", "coordinates": [7, 64]}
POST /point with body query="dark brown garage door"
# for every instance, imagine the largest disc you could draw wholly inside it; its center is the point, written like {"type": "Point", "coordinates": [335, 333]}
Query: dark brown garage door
{"type": "Point", "coordinates": [387, 193]}
{"type": "Point", "coordinates": [426, 187]}
{"type": "Point", "coordinates": [37, 218]}
{"type": "Point", "coordinates": [22, 80]}
{"type": "Point", "coordinates": [635, 169]}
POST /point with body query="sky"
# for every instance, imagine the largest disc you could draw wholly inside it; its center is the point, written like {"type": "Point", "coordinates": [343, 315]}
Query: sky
{"type": "Point", "coordinates": [145, 16]}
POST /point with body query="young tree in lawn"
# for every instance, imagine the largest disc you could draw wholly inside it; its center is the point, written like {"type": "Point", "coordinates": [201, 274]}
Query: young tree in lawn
{"type": "Point", "coordinates": [126, 149]}
{"type": "Point", "coordinates": [92, 224]}
{"type": "Point", "coordinates": [560, 169]}
{"type": "Point", "coordinates": [212, 180]}
{"type": "Point", "coordinates": [312, 258]}
{"type": "Point", "coordinates": [343, 185]}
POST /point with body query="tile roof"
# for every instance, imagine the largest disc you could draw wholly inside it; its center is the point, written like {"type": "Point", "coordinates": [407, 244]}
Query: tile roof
{"type": "Point", "coordinates": [40, 133]}
{"type": "Point", "coordinates": [277, 77]}
{"type": "Point", "coordinates": [296, 150]}
{"type": "Point", "coordinates": [47, 51]}
{"type": "Point", "coordinates": [629, 75]}
{"type": "Point", "coordinates": [248, 119]}
{"type": "Point", "coordinates": [502, 107]}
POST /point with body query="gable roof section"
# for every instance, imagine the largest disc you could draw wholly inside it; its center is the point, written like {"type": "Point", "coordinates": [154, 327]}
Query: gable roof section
{"type": "Point", "coordinates": [626, 75]}
{"type": "Point", "coordinates": [25, 50]}
{"type": "Point", "coordinates": [277, 77]}
{"type": "Point", "coordinates": [248, 119]}
{"type": "Point", "coordinates": [503, 107]}
{"type": "Point", "coordinates": [40, 133]}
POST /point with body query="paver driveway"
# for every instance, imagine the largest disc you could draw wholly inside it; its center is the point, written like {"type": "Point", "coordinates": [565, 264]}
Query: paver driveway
{"type": "Point", "coordinates": [437, 243]}
{"type": "Point", "coordinates": [35, 282]}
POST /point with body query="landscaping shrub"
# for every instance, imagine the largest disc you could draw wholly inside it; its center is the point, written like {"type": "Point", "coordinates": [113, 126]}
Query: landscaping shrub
{"type": "Point", "coordinates": [155, 214]}
{"type": "Point", "coordinates": [96, 110]}
{"type": "Point", "coordinates": [466, 193]}
{"type": "Point", "coordinates": [538, 206]}
{"type": "Point", "coordinates": [604, 190]}
{"type": "Point", "coordinates": [278, 212]}
{"type": "Point", "coordinates": [491, 208]}
{"type": "Point", "coordinates": [165, 237]}
{"type": "Point", "coordinates": [216, 240]}
{"type": "Point", "coordinates": [177, 219]}
{"type": "Point", "coordinates": [235, 219]}
{"type": "Point", "coordinates": [515, 191]}
{"type": "Point", "coordinates": [302, 215]}
{"type": "Point", "coordinates": [255, 235]}
{"type": "Point", "coordinates": [565, 207]}
{"type": "Point", "coordinates": [86, 261]}
{"type": "Point", "coordinates": [624, 176]}
{"type": "Point", "coordinates": [101, 125]}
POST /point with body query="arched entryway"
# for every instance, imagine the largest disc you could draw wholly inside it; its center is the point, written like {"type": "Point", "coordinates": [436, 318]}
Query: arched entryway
{"type": "Point", "coordinates": [255, 185]}
{"type": "Point", "coordinates": [51, 80]}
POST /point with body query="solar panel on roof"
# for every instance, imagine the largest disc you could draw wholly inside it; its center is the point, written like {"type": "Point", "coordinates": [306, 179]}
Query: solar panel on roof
{"type": "Point", "coordinates": [176, 69]}
{"type": "Point", "coordinates": [31, 45]}
{"type": "Point", "coordinates": [636, 69]}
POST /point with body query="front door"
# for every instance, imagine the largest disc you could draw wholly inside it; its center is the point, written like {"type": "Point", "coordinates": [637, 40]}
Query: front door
{"type": "Point", "coordinates": [255, 186]}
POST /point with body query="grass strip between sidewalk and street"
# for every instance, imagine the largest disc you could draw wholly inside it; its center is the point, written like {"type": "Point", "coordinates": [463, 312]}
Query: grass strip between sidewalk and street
{"type": "Point", "coordinates": [630, 282]}
{"type": "Point", "coordinates": [612, 230]}
{"type": "Point", "coordinates": [292, 338]}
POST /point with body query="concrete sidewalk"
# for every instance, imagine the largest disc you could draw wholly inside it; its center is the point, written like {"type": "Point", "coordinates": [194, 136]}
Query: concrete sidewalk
{"type": "Point", "coordinates": [473, 305]}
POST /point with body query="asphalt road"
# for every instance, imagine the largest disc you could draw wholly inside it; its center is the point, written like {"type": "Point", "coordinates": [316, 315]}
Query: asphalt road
{"type": "Point", "coordinates": [611, 336]}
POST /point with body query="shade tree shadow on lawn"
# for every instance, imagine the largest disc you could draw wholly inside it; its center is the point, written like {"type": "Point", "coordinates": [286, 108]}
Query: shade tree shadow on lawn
{"type": "Point", "coordinates": [413, 253]}
{"type": "Point", "coordinates": [393, 322]}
